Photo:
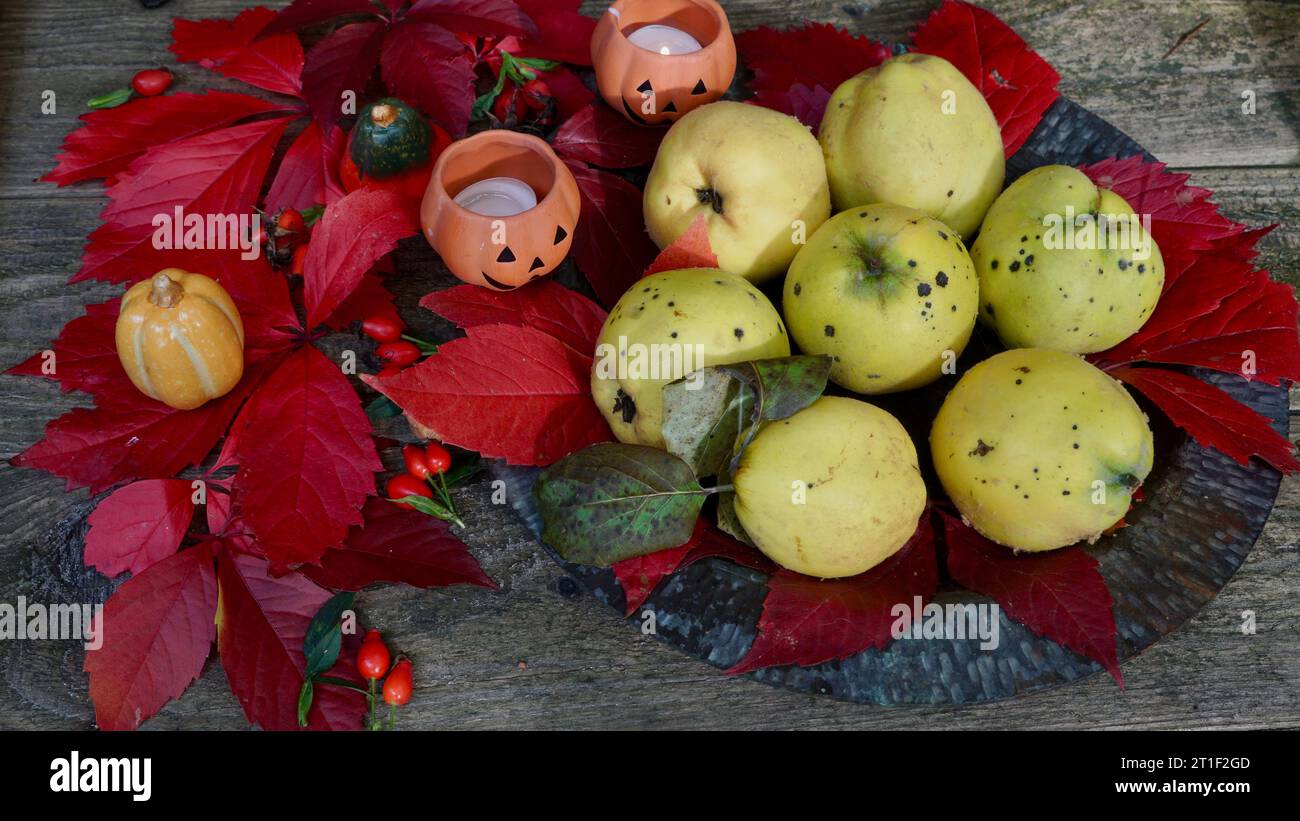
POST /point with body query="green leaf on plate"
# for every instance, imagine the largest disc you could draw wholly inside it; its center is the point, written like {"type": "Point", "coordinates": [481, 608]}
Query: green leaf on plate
{"type": "Point", "coordinates": [613, 501]}
{"type": "Point", "coordinates": [325, 636]}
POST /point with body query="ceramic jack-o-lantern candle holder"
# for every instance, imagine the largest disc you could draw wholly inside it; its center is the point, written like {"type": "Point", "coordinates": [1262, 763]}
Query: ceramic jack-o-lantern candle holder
{"type": "Point", "coordinates": [658, 59]}
{"type": "Point", "coordinates": [500, 209]}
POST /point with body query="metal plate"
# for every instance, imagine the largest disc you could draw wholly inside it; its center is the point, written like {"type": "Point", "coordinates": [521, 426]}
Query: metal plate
{"type": "Point", "coordinates": [1202, 514]}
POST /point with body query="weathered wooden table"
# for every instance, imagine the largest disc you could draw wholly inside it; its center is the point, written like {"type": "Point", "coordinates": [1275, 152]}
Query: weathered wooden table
{"type": "Point", "coordinates": [538, 653]}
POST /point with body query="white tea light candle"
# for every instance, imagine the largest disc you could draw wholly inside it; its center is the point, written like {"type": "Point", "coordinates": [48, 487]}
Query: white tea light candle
{"type": "Point", "coordinates": [497, 197]}
{"type": "Point", "coordinates": [664, 40]}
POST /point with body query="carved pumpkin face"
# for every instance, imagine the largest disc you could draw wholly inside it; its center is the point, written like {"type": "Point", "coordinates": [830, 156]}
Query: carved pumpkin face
{"type": "Point", "coordinates": [650, 88]}
{"type": "Point", "coordinates": [501, 252]}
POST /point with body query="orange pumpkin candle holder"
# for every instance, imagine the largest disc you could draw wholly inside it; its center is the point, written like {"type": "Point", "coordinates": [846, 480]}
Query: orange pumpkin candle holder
{"type": "Point", "coordinates": [655, 83]}
{"type": "Point", "coordinates": [491, 247]}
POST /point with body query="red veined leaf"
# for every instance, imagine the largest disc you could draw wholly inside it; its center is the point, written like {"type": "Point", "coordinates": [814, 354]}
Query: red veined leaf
{"type": "Point", "coordinates": [1244, 325]}
{"type": "Point", "coordinates": [262, 295]}
{"type": "Point", "coordinates": [599, 135]}
{"type": "Point", "coordinates": [342, 61]}
{"type": "Point", "coordinates": [610, 244]}
{"type": "Point", "coordinates": [111, 138]}
{"type": "Point", "coordinates": [428, 67]}
{"type": "Point", "coordinates": [215, 174]}
{"type": "Point", "coordinates": [397, 544]}
{"type": "Point", "coordinates": [302, 13]}
{"type": "Point", "coordinates": [157, 630]}
{"type": "Point", "coordinates": [306, 460]}
{"type": "Point", "coordinates": [308, 174]}
{"type": "Point", "coordinates": [563, 33]}
{"type": "Point", "coordinates": [571, 95]}
{"type": "Point", "coordinates": [544, 305]}
{"type": "Point", "coordinates": [1212, 417]}
{"type": "Point", "coordinates": [218, 508]}
{"type": "Point", "coordinates": [349, 239]}
{"type": "Point", "coordinates": [508, 392]}
{"type": "Point", "coordinates": [139, 525]}
{"type": "Point", "coordinates": [84, 355]}
{"type": "Point", "coordinates": [795, 68]}
{"type": "Point", "coordinates": [1058, 594]}
{"type": "Point", "coordinates": [1018, 84]}
{"type": "Point", "coordinates": [232, 48]}
{"type": "Point", "coordinates": [369, 298]}
{"type": "Point", "coordinates": [130, 436]}
{"type": "Point", "coordinates": [260, 629]}
{"type": "Point", "coordinates": [691, 250]}
{"type": "Point", "coordinates": [807, 621]}
{"type": "Point", "coordinates": [487, 17]}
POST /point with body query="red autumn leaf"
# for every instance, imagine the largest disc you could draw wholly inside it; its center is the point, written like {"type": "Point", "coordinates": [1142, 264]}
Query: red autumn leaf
{"type": "Point", "coordinates": [232, 48]}
{"type": "Point", "coordinates": [218, 509]}
{"type": "Point", "coordinates": [369, 298]}
{"type": "Point", "coordinates": [508, 392]}
{"type": "Point", "coordinates": [599, 135]}
{"type": "Point", "coordinates": [139, 525]}
{"type": "Point", "coordinates": [157, 631]}
{"type": "Point", "coordinates": [1058, 594]}
{"type": "Point", "coordinates": [215, 173]}
{"type": "Point", "coordinates": [797, 68]}
{"type": "Point", "coordinates": [306, 460]}
{"type": "Point", "coordinates": [342, 61]}
{"type": "Point", "coordinates": [85, 354]}
{"type": "Point", "coordinates": [610, 244]}
{"type": "Point", "coordinates": [397, 544]}
{"type": "Point", "coordinates": [487, 17]}
{"type": "Point", "coordinates": [1018, 84]}
{"type": "Point", "coordinates": [807, 621]}
{"type": "Point", "coordinates": [563, 33]}
{"type": "Point", "coordinates": [111, 138]}
{"type": "Point", "coordinates": [349, 239]}
{"type": "Point", "coordinates": [544, 305]}
{"type": "Point", "coordinates": [130, 436]}
{"type": "Point", "coordinates": [691, 250]}
{"type": "Point", "coordinates": [308, 174]}
{"type": "Point", "coordinates": [1212, 417]}
{"type": "Point", "coordinates": [571, 95]}
{"type": "Point", "coordinates": [262, 295]}
{"type": "Point", "coordinates": [428, 67]}
{"type": "Point", "coordinates": [302, 13]}
{"type": "Point", "coordinates": [261, 625]}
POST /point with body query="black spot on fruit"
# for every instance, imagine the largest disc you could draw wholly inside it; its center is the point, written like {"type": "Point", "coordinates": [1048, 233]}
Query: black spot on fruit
{"type": "Point", "coordinates": [911, 263]}
{"type": "Point", "coordinates": [1022, 369]}
{"type": "Point", "coordinates": [981, 448]}
{"type": "Point", "coordinates": [624, 405]}
{"type": "Point", "coordinates": [739, 332]}
{"type": "Point", "coordinates": [1142, 269]}
{"type": "Point", "coordinates": [942, 235]}
{"type": "Point", "coordinates": [798, 289]}
{"type": "Point", "coordinates": [1029, 260]}
{"type": "Point", "coordinates": [709, 197]}
{"type": "Point", "coordinates": [950, 192]}
{"type": "Point", "coordinates": [941, 279]}
{"type": "Point", "coordinates": [923, 289]}
{"type": "Point", "coordinates": [829, 330]}
{"type": "Point", "coordinates": [994, 265]}
{"type": "Point", "coordinates": [1014, 266]}
{"type": "Point", "coordinates": [1123, 264]}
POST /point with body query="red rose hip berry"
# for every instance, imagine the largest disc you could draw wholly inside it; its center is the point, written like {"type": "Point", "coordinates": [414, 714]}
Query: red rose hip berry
{"type": "Point", "coordinates": [151, 82]}
{"type": "Point", "coordinates": [372, 658]}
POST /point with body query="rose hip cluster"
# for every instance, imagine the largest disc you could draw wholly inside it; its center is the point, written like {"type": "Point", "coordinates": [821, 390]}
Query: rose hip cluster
{"type": "Point", "coordinates": [373, 664]}
{"type": "Point", "coordinates": [395, 350]}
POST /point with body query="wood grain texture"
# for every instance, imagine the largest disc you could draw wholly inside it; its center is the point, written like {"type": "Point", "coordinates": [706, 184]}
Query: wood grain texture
{"type": "Point", "coordinates": [539, 653]}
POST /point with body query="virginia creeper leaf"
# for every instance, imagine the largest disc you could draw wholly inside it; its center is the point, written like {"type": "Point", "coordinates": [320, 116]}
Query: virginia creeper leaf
{"type": "Point", "coordinates": [397, 544]}
{"type": "Point", "coordinates": [157, 631]}
{"type": "Point", "coordinates": [85, 354]}
{"type": "Point", "coordinates": [426, 65]}
{"type": "Point", "coordinates": [139, 525]}
{"type": "Point", "coordinates": [486, 17]}
{"type": "Point", "coordinates": [544, 305]}
{"type": "Point", "coordinates": [512, 393]}
{"type": "Point", "coordinates": [233, 48]}
{"type": "Point", "coordinates": [307, 461]}
{"type": "Point", "coordinates": [302, 13]}
{"type": "Point", "coordinates": [308, 174]}
{"type": "Point", "coordinates": [610, 245]}
{"type": "Point", "coordinates": [563, 33]}
{"type": "Point", "coordinates": [691, 250]}
{"type": "Point", "coordinates": [599, 135]}
{"type": "Point", "coordinates": [1058, 594]}
{"type": "Point", "coordinates": [342, 61]}
{"type": "Point", "coordinates": [807, 621]}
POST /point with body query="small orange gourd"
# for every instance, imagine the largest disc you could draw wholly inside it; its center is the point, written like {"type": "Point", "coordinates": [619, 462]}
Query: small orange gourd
{"type": "Point", "coordinates": [180, 338]}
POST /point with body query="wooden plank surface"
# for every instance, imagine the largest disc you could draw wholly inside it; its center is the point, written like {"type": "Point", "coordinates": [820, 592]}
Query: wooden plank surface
{"type": "Point", "coordinates": [534, 654]}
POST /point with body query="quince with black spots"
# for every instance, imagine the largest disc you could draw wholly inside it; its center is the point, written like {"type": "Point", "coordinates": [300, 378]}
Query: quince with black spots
{"type": "Point", "coordinates": [1065, 265]}
{"type": "Point", "coordinates": [887, 292]}
{"type": "Point", "coordinates": [1039, 449]}
{"type": "Point", "coordinates": [668, 325]}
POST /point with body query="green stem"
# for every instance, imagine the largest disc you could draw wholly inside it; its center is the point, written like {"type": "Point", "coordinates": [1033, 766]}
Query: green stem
{"type": "Point", "coordinates": [339, 682]}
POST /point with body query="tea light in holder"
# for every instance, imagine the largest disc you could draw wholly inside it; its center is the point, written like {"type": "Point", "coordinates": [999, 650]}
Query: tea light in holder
{"type": "Point", "coordinates": [500, 209]}
{"type": "Point", "coordinates": [656, 60]}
